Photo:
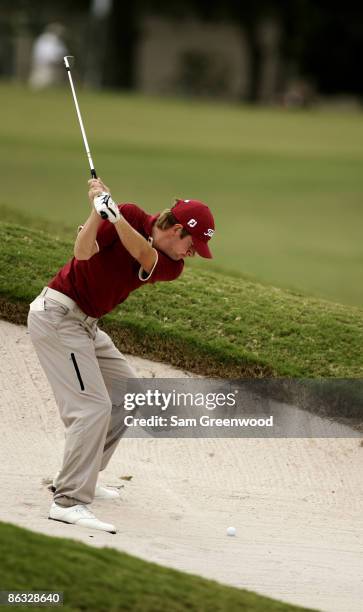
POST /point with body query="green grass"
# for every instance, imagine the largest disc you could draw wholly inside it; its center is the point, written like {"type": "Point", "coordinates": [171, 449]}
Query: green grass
{"type": "Point", "coordinates": [286, 187]}
{"type": "Point", "coordinates": [106, 580]}
{"type": "Point", "coordinates": [205, 321]}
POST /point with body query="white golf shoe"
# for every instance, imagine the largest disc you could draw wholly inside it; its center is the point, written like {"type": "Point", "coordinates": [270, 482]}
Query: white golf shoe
{"type": "Point", "coordinates": [100, 492]}
{"type": "Point", "coordinates": [106, 493]}
{"type": "Point", "coordinates": [79, 515]}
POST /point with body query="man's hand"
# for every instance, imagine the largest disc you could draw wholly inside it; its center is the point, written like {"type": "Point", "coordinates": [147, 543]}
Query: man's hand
{"type": "Point", "coordinates": [95, 188]}
{"type": "Point", "coordinates": [106, 207]}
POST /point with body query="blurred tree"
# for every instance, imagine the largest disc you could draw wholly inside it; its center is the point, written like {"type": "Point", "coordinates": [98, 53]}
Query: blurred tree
{"type": "Point", "coordinates": [320, 40]}
{"type": "Point", "coordinates": [248, 16]}
{"type": "Point", "coordinates": [123, 32]}
{"type": "Point", "coordinates": [325, 39]}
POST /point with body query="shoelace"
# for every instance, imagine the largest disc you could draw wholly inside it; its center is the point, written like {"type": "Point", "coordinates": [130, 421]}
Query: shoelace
{"type": "Point", "coordinates": [83, 510]}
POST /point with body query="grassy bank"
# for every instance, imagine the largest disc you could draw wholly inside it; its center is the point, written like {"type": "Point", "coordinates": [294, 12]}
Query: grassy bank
{"type": "Point", "coordinates": [286, 187]}
{"type": "Point", "coordinates": [206, 322]}
{"type": "Point", "coordinates": [104, 579]}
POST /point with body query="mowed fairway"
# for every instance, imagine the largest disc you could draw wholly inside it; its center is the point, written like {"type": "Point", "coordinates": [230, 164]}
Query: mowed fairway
{"type": "Point", "coordinates": [286, 186]}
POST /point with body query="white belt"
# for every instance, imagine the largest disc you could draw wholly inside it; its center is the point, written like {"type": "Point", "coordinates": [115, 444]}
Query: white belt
{"type": "Point", "coordinates": [57, 296]}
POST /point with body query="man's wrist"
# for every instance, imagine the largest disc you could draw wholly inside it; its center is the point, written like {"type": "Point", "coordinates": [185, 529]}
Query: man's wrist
{"type": "Point", "coordinates": [95, 216]}
{"type": "Point", "coordinates": [121, 220]}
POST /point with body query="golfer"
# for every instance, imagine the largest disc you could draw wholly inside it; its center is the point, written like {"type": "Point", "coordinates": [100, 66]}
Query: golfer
{"type": "Point", "coordinates": [119, 248]}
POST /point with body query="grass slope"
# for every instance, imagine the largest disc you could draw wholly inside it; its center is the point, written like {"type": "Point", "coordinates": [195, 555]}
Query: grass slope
{"type": "Point", "coordinates": [206, 322]}
{"type": "Point", "coordinates": [286, 187]}
{"type": "Point", "coordinates": [106, 580]}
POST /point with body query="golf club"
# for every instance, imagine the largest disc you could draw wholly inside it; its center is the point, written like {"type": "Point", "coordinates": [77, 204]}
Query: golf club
{"type": "Point", "coordinates": [66, 63]}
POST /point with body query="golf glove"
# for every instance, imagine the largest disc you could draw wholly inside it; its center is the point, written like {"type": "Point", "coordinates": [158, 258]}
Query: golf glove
{"type": "Point", "coordinates": [106, 207]}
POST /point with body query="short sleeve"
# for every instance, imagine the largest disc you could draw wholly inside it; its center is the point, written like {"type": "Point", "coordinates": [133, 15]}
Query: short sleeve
{"type": "Point", "coordinates": [165, 269]}
{"type": "Point", "coordinates": [133, 214]}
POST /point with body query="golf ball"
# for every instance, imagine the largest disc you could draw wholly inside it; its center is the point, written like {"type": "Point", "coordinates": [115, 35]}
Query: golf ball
{"type": "Point", "coordinates": [231, 531]}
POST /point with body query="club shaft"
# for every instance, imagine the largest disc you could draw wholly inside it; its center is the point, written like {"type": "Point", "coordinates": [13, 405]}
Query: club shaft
{"type": "Point", "coordinates": [92, 168]}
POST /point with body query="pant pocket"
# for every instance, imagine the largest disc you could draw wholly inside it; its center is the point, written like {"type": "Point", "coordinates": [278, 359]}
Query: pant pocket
{"type": "Point", "coordinates": [78, 373]}
{"type": "Point", "coordinates": [38, 304]}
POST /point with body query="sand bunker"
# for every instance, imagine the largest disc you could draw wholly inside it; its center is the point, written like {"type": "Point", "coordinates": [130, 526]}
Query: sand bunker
{"type": "Point", "coordinates": [296, 503]}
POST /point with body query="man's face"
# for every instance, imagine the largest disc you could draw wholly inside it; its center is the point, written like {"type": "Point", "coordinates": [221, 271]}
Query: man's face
{"type": "Point", "coordinates": [184, 247]}
{"type": "Point", "coordinates": [170, 242]}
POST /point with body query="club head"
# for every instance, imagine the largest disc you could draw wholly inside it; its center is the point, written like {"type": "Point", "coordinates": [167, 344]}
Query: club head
{"type": "Point", "coordinates": [66, 60]}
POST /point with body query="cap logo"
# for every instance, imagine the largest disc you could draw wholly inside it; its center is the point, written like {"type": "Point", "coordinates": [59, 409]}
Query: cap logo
{"type": "Point", "coordinates": [192, 223]}
{"type": "Point", "coordinates": [209, 232]}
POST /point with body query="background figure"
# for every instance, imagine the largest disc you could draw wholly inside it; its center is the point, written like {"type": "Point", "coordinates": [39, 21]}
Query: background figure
{"type": "Point", "coordinates": [48, 52]}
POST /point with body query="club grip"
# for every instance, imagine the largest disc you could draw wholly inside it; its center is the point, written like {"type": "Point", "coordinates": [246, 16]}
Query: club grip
{"type": "Point", "coordinates": [93, 173]}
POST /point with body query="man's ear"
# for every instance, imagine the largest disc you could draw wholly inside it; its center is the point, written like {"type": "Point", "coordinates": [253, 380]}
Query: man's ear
{"type": "Point", "coordinates": [177, 227]}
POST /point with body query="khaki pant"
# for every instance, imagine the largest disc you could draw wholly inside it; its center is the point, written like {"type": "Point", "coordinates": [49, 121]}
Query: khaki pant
{"type": "Point", "coordinates": [88, 376]}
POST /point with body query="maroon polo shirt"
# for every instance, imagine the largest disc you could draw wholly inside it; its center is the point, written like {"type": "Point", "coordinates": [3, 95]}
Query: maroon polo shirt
{"type": "Point", "coordinates": [99, 284]}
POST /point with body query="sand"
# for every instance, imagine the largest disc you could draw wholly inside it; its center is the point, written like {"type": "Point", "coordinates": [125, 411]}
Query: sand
{"type": "Point", "coordinates": [296, 503]}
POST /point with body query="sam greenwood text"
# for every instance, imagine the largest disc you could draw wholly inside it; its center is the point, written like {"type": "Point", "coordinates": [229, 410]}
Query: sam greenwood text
{"type": "Point", "coordinates": [203, 421]}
